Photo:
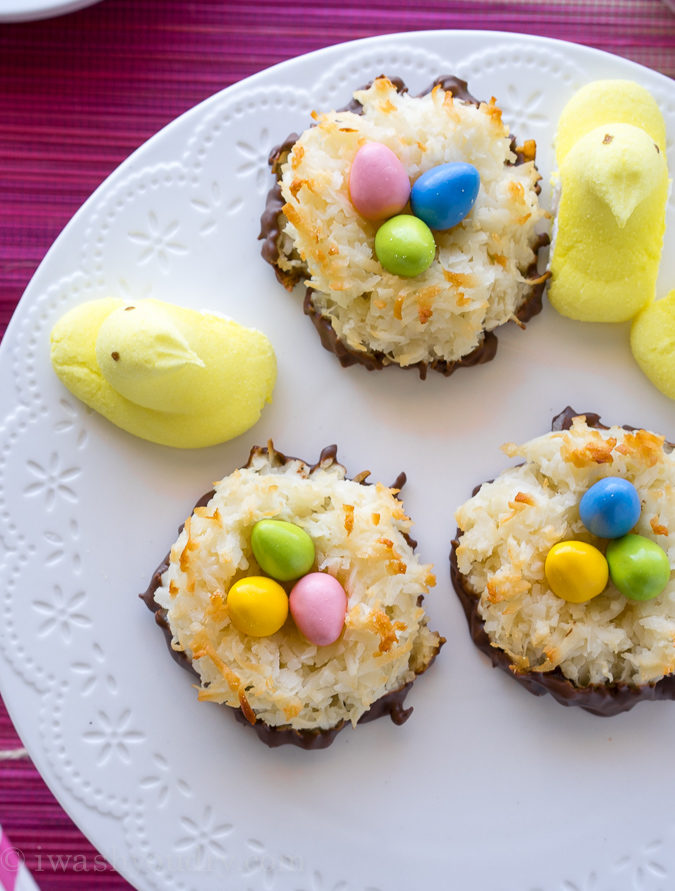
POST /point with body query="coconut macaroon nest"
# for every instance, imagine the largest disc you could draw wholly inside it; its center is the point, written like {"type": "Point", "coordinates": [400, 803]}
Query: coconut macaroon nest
{"type": "Point", "coordinates": [604, 654]}
{"type": "Point", "coordinates": [484, 272]}
{"type": "Point", "coordinates": [289, 689]}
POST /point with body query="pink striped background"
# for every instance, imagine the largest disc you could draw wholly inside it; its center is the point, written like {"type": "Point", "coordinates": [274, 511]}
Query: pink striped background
{"type": "Point", "coordinates": [78, 93]}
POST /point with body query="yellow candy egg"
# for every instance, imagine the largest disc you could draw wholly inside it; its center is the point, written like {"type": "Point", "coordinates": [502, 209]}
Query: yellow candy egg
{"type": "Point", "coordinates": [576, 571]}
{"type": "Point", "coordinates": [257, 606]}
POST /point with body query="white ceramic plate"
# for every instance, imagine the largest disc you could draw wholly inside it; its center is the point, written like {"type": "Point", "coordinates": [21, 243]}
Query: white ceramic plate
{"type": "Point", "coordinates": [29, 10]}
{"type": "Point", "coordinates": [485, 786]}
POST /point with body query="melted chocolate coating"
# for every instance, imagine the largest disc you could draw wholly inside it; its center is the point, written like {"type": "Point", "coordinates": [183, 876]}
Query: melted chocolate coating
{"type": "Point", "coordinates": [270, 230]}
{"type": "Point", "coordinates": [391, 704]}
{"type": "Point", "coordinates": [604, 700]}
{"type": "Point", "coordinates": [347, 356]}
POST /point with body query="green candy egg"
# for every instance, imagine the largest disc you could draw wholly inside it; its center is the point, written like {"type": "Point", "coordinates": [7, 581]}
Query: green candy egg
{"type": "Point", "coordinates": [283, 550]}
{"type": "Point", "coordinates": [639, 568]}
{"type": "Point", "coordinates": [405, 245]}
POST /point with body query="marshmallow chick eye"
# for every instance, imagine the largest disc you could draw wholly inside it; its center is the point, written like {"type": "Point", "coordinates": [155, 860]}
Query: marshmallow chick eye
{"type": "Point", "coordinates": [168, 374]}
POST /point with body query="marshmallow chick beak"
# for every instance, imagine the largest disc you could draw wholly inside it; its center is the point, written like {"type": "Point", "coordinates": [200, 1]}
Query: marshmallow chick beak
{"type": "Point", "coordinates": [167, 374]}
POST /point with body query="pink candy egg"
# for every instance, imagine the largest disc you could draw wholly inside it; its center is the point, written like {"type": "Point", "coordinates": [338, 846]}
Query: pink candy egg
{"type": "Point", "coordinates": [379, 186]}
{"type": "Point", "coordinates": [318, 605]}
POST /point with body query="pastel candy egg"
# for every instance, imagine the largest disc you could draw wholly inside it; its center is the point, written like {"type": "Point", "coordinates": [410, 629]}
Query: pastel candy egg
{"type": "Point", "coordinates": [576, 571]}
{"type": "Point", "coordinates": [444, 195]}
{"type": "Point", "coordinates": [639, 568]}
{"type": "Point", "coordinates": [318, 605]}
{"type": "Point", "coordinates": [283, 550]}
{"type": "Point", "coordinates": [257, 606]}
{"type": "Point", "coordinates": [610, 508]}
{"type": "Point", "coordinates": [405, 246]}
{"type": "Point", "coordinates": [378, 183]}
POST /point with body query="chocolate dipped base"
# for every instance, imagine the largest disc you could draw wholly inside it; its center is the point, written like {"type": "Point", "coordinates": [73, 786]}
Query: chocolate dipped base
{"type": "Point", "coordinates": [271, 223]}
{"type": "Point", "coordinates": [604, 700]}
{"type": "Point", "coordinates": [391, 704]}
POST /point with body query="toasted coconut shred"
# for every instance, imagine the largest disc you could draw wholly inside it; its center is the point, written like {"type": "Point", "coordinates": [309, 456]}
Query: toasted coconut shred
{"type": "Point", "coordinates": [510, 524]}
{"type": "Point", "coordinates": [359, 532]}
{"type": "Point", "coordinates": [478, 279]}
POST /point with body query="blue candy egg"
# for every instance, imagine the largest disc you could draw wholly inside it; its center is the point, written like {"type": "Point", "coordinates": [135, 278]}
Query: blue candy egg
{"type": "Point", "coordinates": [610, 508]}
{"type": "Point", "coordinates": [444, 195]}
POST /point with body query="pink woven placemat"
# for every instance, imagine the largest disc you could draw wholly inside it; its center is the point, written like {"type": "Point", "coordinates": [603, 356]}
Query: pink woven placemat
{"type": "Point", "coordinates": [80, 92]}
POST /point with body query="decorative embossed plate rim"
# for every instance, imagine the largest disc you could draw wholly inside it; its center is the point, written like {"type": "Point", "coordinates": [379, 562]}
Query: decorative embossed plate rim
{"type": "Point", "coordinates": [484, 782]}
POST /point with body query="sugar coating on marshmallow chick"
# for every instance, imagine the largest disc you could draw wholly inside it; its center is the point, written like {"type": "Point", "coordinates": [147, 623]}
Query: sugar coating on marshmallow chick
{"type": "Point", "coordinates": [168, 374]}
{"type": "Point", "coordinates": [603, 102]}
{"type": "Point", "coordinates": [614, 184]}
{"type": "Point", "coordinates": [652, 340]}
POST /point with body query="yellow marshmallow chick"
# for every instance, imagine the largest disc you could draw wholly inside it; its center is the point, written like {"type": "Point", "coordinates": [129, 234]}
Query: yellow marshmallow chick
{"type": "Point", "coordinates": [167, 374]}
{"type": "Point", "coordinates": [610, 224]}
{"type": "Point", "coordinates": [652, 340]}
{"type": "Point", "coordinates": [603, 102]}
